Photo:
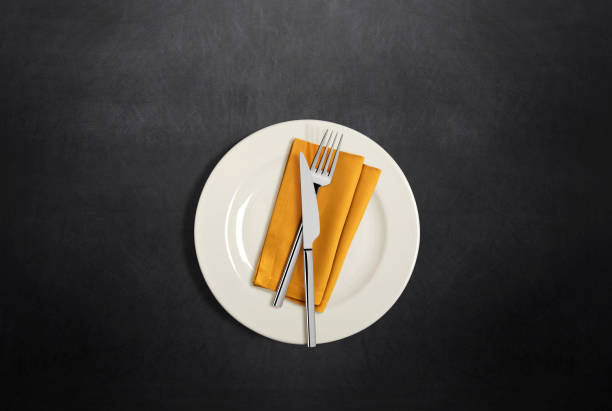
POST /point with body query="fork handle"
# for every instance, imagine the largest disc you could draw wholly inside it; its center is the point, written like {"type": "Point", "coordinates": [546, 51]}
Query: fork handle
{"type": "Point", "coordinates": [311, 340]}
{"type": "Point", "coordinates": [283, 285]}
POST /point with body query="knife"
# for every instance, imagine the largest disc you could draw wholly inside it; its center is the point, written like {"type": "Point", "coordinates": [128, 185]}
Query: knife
{"type": "Point", "coordinates": [310, 220]}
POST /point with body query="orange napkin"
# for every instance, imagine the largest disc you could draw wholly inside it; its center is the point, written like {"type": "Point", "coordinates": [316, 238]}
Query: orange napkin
{"type": "Point", "coordinates": [341, 207]}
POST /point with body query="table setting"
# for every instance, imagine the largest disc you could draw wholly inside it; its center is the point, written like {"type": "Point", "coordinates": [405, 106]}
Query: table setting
{"type": "Point", "coordinates": [306, 232]}
{"type": "Point", "coordinates": [260, 205]}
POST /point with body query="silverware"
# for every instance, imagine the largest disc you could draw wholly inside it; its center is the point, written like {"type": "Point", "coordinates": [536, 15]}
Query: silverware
{"type": "Point", "coordinates": [310, 220]}
{"type": "Point", "coordinates": [321, 176]}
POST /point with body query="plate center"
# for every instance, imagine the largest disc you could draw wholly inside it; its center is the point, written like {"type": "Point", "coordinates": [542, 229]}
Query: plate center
{"type": "Point", "coordinates": [247, 222]}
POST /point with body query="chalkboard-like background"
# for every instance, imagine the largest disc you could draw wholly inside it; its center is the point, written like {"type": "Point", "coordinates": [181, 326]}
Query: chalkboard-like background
{"type": "Point", "coordinates": [115, 112]}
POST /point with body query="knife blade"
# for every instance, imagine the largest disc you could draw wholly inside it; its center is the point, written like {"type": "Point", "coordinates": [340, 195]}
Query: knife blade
{"type": "Point", "coordinates": [310, 208]}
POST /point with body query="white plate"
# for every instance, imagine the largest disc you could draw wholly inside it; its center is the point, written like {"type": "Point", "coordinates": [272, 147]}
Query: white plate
{"type": "Point", "coordinates": [232, 218]}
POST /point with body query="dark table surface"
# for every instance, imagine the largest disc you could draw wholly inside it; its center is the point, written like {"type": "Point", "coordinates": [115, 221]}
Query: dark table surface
{"type": "Point", "coordinates": [114, 114]}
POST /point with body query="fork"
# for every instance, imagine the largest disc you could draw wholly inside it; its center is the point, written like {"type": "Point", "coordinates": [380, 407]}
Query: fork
{"type": "Point", "coordinates": [321, 176]}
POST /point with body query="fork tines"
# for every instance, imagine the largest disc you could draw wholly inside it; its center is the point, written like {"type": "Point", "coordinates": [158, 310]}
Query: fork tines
{"type": "Point", "coordinates": [329, 151]}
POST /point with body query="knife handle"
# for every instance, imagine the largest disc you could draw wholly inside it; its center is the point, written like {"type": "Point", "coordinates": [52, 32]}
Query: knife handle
{"type": "Point", "coordinates": [311, 340]}
{"type": "Point", "coordinates": [283, 285]}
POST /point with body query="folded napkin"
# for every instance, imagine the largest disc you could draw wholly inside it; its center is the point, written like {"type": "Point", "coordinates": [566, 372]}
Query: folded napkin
{"type": "Point", "coordinates": [341, 207]}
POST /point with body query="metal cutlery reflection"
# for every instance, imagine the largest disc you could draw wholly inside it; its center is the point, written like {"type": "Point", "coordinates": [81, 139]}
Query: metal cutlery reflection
{"type": "Point", "coordinates": [310, 220]}
{"type": "Point", "coordinates": [322, 174]}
